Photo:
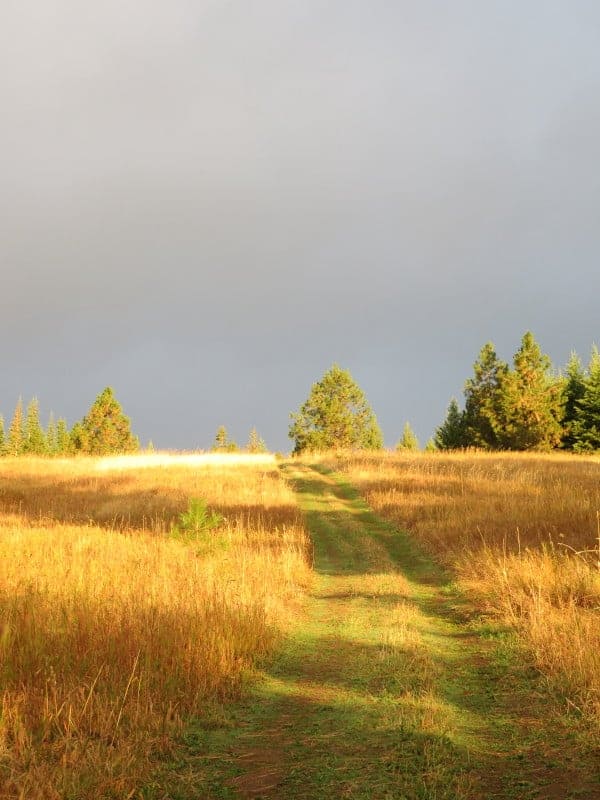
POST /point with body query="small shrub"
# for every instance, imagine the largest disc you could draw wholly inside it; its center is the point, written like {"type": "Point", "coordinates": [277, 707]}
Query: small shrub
{"type": "Point", "coordinates": [195, 523]}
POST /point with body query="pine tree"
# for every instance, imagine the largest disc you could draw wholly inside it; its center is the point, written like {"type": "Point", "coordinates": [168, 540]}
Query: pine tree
{"type": "Point", "coordinates": [451, 434]}
{"type": "Point", "coordinates": [408, 440]}
{"type": "Point", "coordinates": [221, 438]}
{"type": "Point", "coordinates": [335, 415]}
{"type": "Point", "coordinates": [573, 391]}
{"type": "Point", "coordinates": [430, 447]}
{"type": "Point", "coordinates": [15, 431]}
{"type": "Point", "coordinates": [51, 435]}
{"type": "Point", "coordinates": [586, 428]}
{"type": "Point", "coordinates": [105, 429]}
{"type": "Point", "coordinates": [255, 443]}
{"type": "Point", "coordinates": [79, 441]}
{"type": "Point", "coordinates": [531, 401]}
{"type": "Point", "coordinates": [2, 437]}
{"type": "Point", "coordinates": [34, 439]}
{"type": "Point", "coordinates": [222, 443]}
{"type": "Point", "coordinates": [63, 438]}
{"type": "Point", "coordinates": [482, 421]}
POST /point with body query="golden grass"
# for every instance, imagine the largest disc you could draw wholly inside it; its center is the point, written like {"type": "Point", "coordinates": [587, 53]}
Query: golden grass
{"type": "Point", "coordinates": [112, 633]}
{"type": "Point", "coordinates": [520, 530]}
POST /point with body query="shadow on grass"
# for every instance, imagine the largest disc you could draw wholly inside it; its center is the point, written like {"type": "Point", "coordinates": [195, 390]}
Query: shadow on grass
{"type": "Point", "coordinates": [114, 503]}
{"type": "Point", "coordinates": [340, 713]}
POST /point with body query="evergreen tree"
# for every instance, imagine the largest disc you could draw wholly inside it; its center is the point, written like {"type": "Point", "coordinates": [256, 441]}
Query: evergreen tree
{"type": "Point", "coordinates": [408, 440]}
{"type": "Point", "coordinates": [2, 437]}
{"type": "Point", "coordinates": [63, 438]}
{"type": "Point", "coordinates": [51, 435]}
{"type": "Point", "coordinates": [531, 401]}
{"type": "Point", "coordinates": [221, 438]}
{"type": "Point", "coordinates": [336, 414]}
{"type": "Point", "coordinates": [15, 431]}
{"type": "Point", "coordinates": [482, 423]}
{"type": "Point", "coordinates": [255, 443]}
{"type": "Point", "coordinates": [586, 428]}
{"type": "Point", "coordinates": [105, 429]}
{"type": "Point", "coordinates": [573, 391]}
{"type": "Point", "coordinates": [222, 443]}
{"type": "Point", "coordinates": [430, 447]}
{"type": "Point", "coordinates": [34, 439]}
{"type": "Point", "coordinates": [79, 440]}
{"type": "Point", "coordinates": [451, 435]}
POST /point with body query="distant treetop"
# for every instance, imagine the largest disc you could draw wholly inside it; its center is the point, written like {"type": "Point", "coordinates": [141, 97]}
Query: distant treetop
{"type": "Point", "coordinates": [336, 414]}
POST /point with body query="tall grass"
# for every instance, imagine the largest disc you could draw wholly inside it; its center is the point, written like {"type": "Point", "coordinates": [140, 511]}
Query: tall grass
{"type": "Point", "coordinates": [113, 632]}
{"type": "Point", "coordinates": [521, 532]}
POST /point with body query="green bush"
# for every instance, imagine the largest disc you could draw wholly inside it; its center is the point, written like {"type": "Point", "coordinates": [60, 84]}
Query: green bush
{"type": "Point", "coordinates": [195, 523]}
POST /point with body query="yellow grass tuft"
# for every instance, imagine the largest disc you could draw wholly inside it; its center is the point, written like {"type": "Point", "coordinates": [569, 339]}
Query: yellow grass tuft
{"type": "Point", "coordinates": [522, 533]}
{"type": "Point", "coordinates": [112, 632]}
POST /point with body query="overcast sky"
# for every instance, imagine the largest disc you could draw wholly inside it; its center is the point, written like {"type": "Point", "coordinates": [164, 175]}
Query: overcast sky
{"type": "Point", "coordinates": [205, 204]}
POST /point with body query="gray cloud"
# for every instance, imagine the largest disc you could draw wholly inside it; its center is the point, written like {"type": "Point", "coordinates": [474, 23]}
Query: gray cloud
{"type": "Point", "coordinates": [205, 204]}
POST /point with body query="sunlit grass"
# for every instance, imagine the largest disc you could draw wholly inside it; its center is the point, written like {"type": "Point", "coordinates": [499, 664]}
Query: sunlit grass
{"type": "Point", "coordinates": [112, 632]}
{"type": "Point", "coordinates": [521, 531]}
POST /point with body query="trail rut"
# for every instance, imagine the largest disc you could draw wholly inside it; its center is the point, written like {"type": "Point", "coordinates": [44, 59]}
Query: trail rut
{"type": "Point", "coordinates": [390, 687]}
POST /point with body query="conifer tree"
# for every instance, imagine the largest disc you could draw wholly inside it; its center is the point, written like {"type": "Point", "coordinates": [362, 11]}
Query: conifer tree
{"type": "Point", "coordinates": [79, 440]}
{"type": "Point", "coordinates": [451, 434]}
{"type": "Point", "coordinates": [336, 414]}
{"type": "Point", "coordinates": [482, 413]}
{"type": "Point", "coordinates": [255, 443]}
{"type": "Point", "coordinates": [105, 429]}
{"type": "Point", "coordinates": [408, 440]}
{"type": "Point", "coordinates": [573, 391]}
{"type": "Point", "coordinates": [34, 439]}
{"type": "Point", "coordinates": [2, 437]}
{"type": "Point", "coordinates": [221, 438]}
{"type": "Point", "coordinates": [430, 446]}
{"type": "Point", "coordinates": [531, 401]}
{"type": "Point", "coordinates": [222, 443]}
{"type": "Point", "coordinates": [586, 428]}
{"type": "Point", "coordinates": [15, 431]}
{"type": "Point", "coordinates": [51, 435]}
{"type": "Point", "coordinates": [63, 439]}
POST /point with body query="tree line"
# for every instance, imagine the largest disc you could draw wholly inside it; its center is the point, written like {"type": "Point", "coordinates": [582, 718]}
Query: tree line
{"type": "Point", "coordinates": [223, 443]}
{"type": "Point", "coordinates": [526, 406]}
{"type": "Point", "coordinates": [103, 430]}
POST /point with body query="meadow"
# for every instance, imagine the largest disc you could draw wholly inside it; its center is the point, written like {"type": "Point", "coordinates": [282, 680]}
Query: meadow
{"type": "Point", "coordinates": [141, 596]}
{"type": "Point", "coordinates": [119, 622]}
{"type": "Point", "coordinates": [522, 534]}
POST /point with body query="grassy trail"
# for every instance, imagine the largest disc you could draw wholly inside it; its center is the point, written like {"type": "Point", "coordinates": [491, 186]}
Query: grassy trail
{"type": "Point", "coordinates": [385, 689]}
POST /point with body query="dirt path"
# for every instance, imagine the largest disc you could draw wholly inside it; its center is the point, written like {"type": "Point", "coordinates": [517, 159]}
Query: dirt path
{"type": "Point", "coordinates": [386, 689]}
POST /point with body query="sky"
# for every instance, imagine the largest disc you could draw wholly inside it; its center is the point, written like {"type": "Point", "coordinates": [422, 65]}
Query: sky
{"type": "Point", "coordinates": [206, 204]}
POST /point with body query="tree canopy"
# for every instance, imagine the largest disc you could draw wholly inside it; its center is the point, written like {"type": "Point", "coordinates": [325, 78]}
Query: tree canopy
{"type": "Point", "coordinates": [524, 407]}
{"type": "Point", "coordinates": [105, 428]}
{"type": "Point", "coordinates": [530, 401]}
{"type": "Point", "coordinates": [482, 399]}
{"type": "Point", "coordinates": [222, 443]}
{"type": "Point", "coordinates": [336, 414]}
{"type": "Point", "coordinates": [408, 440]}
{"type": "Point", "coordinates": [451, 434]}
{"type": "Point", "coordinates": [586, 426]}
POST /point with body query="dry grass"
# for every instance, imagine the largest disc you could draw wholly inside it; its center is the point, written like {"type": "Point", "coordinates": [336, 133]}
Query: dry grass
{"type": "Point", "coordinates": [521, 531]}
{"type": "Point", "coordinates": [112, 633]}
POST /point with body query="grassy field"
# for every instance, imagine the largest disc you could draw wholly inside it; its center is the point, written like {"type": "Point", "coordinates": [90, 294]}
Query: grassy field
{"type": "Point", "coordinates": [390, 687]}
{"type": "Point", "coordinates": [151, 654]}
{"type": "Point", "coordinates": [522, 533]}
{"type": "Point", "coordinates": [113, 630]}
